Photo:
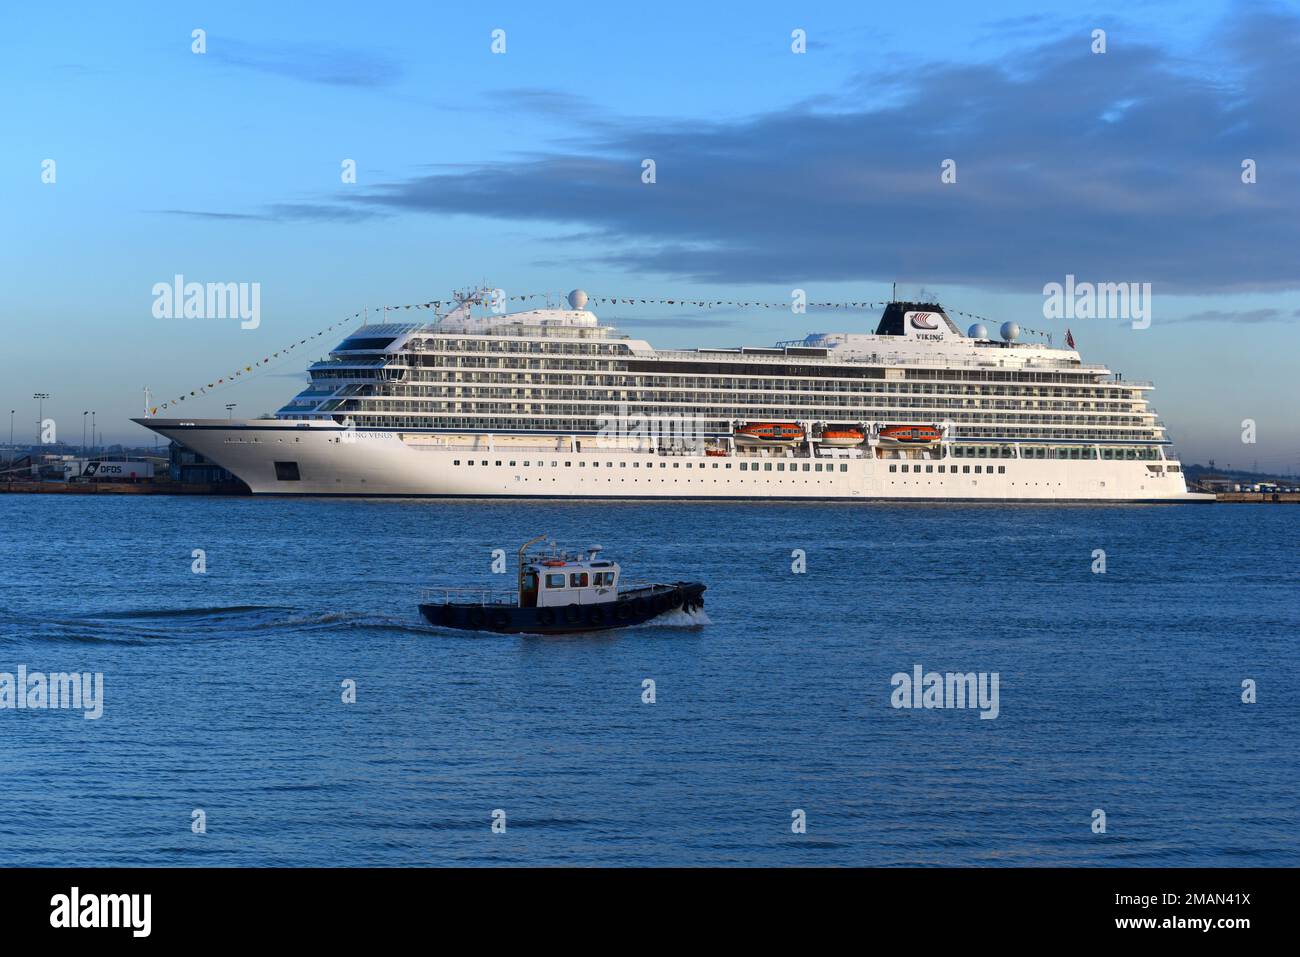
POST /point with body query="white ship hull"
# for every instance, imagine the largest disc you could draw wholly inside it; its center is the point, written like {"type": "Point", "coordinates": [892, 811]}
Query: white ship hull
{"type": "Point", "coordinates": [321, 458]}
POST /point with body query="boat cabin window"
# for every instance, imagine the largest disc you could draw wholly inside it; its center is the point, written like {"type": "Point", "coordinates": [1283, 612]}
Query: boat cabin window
{"type": "Point", "coordinates": [578, 580]}
{"type": "Point", "coordinates": [555, 581]}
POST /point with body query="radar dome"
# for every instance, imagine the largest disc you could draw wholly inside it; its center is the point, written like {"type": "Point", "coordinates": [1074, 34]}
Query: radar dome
{"type": "Point", "coordinates": [578, 299]}
{"type": "Point", "coordinates": [1010, 331]}
{"type": "Point", "coordinates": [978, 331]}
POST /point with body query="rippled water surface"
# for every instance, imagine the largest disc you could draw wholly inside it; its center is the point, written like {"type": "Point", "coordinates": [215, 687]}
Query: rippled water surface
{"type": "Point", "coordinates": [1118, 691]}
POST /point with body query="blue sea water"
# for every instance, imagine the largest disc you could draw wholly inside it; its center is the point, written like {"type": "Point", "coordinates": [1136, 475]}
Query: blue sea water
{"type": "Point", "coordinates": [223, 691]}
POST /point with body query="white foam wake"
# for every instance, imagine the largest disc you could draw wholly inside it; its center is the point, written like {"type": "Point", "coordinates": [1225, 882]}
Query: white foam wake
{"type": "Point", "coordinates": [677, 618]}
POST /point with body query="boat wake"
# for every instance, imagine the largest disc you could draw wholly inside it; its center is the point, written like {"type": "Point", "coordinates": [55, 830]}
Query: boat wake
{"type": "Point", "coordinates": [677, 618]}
{"type": "Point", "coordinates": [147, 626]}
{"type": "Point", "coordinates": [202, 612]}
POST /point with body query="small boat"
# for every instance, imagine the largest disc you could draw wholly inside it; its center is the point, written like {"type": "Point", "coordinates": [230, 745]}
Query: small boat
{"type": "Point", "coordinates": [842, 438]}
{"type": "Point", "coordinates": [910, 435]}
{"type": "Point", "coordinates": [716, 452]}
{"type": "Point", "coordinates": [769, 433]}
{"type": "Point", "coordinates": [560, 594]}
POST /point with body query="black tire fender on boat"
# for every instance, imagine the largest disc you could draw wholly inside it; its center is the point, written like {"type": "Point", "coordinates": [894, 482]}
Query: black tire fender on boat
{"type": "Point", "coordinates": [546, 616]}
{"type": "Point", "coordinates": [623, 611]}
{"type": "Point", "coordinates": [447, 615]}
{"type": "Point", "coordinates": [572, 614]}
{"type": "Point", "coordinates": [640, 606]}
{"type": "Point", "coordinates": [477, 618]}
{"type": "Point", "coordinates": [500, 618]}
{"type": "Point", "coordinates": [595, 615]}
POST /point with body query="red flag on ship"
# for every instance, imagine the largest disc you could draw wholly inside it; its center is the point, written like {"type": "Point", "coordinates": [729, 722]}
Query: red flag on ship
{"type": "Point", "coordinates": [1069, 339]}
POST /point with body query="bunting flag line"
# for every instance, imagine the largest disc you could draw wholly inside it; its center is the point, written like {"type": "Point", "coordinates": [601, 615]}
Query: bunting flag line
{"type": "Point", "coordinates": [734, 303]}
{"type": "Point", "coordinates": [638, 301]}
{"type": "Point", "coordinates": [246, 371]}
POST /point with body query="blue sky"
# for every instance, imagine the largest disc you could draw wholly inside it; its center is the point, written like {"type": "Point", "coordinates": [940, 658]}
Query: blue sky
{"type": "Point", "coordinates": [774, 171]}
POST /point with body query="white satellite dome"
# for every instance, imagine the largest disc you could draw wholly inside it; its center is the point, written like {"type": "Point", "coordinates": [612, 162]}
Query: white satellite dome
{"type": "Point", "coordinates": [578, 299]}
{"type": "Point", "coordinates": [978, 331]}
{"type": "Point", "coordinates": [1010, 331]}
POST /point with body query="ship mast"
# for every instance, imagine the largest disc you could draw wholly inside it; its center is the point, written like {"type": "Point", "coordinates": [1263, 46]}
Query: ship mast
{"type": "Point", "coordinates": [523, 548]}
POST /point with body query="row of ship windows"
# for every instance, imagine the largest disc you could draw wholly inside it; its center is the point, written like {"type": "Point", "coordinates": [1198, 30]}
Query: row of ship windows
{"type": "Point", "coordinates": [569, 378]}
{"type": "Point", "coordinates": [1115, 417]}
{"type": "Point", "coordinates": [1070, 452]}
{"type": "Point", "coordinates": [579, 579]}
{"type": "Point", "coordinates": [424, 346]}
{"type": "Point", "coordinates": [1017, 427]}
{"type": "Point", "coordinates": [1052, 452]}
{"type": "Point", "coordinates": [940, 469]}
{"type": "Point", "coordinates": [744, 466]}
{"type": "Point", "coordinates": [579, 401]}
{"type": "Point", "coordinates": [458, 358]}
{"type": "Point", "coordinates": [590, 395]}
{"type": "Point", "coordinates": [780, 466]}
{"type": "Point", "coordinates": [595, 372]}
{"type": "Point", "coordinates": [971, 433]}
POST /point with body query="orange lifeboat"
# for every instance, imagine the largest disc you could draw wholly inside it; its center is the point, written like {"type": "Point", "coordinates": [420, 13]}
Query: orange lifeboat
{"type": "Point", "coordinates": [769, 433]}
{"type": "Point", "coordinates": [842, 438]}
{"type": "Point", "coordinates": [910, 435]}
{"type": "Point", "coordinates": [716, 452]}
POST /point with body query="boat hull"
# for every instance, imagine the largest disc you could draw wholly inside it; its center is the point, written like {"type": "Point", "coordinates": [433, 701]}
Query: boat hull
{"type": "Point", "coordinates": [325, 459]}
{"type": "Point", "coordinates": [633, 608]}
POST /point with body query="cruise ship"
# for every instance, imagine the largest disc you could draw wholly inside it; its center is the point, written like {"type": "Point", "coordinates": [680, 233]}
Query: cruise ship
{"type": "Point", "coordinates": [551, 403]}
